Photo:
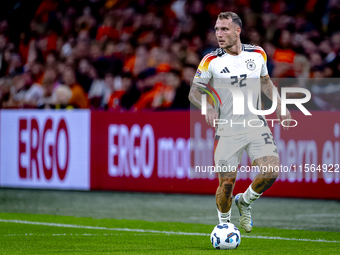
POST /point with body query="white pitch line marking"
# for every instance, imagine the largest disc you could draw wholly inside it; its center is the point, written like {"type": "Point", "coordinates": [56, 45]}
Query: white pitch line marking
{"type": "Point", "coordinates": [157, 231]}
{"type": "Point", "coordinates": [71, 234]}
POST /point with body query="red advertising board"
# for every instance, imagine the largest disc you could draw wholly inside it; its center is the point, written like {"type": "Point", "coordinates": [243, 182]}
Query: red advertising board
{"type": "Point", "coordinates": [143, 152]}
{"type": "Point", "coordinates": [45, 149]}
{"type": "Point", "coordinates": [151, 151]}
{"type": "Point", "coordinates": [315, 140]}
{"type": "Point", "coordinates": [156, 152]}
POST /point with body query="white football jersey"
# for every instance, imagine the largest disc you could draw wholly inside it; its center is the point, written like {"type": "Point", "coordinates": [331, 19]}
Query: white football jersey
{"type": "Point", "coordinates": [243, 72]}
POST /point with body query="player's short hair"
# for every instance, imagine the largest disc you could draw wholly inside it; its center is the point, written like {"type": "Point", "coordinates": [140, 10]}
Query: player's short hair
{"type": "Point", "coordinates": [231, 15]}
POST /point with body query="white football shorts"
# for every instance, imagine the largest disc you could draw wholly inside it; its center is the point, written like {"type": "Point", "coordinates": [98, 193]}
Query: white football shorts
{"type": "Point", "coordinates": [258, 144]}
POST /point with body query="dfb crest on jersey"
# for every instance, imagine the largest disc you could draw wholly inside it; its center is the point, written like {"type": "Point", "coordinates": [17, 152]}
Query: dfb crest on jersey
{"type": "Point", "coordinates": [250, 64]}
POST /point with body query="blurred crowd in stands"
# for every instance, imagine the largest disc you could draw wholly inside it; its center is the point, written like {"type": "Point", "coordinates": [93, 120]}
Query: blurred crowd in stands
{"type": "Point", "coordinates": [142, 54]}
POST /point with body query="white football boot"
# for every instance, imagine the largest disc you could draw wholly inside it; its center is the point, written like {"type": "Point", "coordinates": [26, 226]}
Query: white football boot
{"type": "Point", "coordinates": [245, 213]}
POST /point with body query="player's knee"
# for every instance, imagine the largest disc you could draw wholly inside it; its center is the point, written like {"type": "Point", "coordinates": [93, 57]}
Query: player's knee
{"type": "Point", "coordinates": [274, 175]}
{"type": "Point", "coordinates": [270, 178]}
{"type": "Point", "coordinates": [271, 174]}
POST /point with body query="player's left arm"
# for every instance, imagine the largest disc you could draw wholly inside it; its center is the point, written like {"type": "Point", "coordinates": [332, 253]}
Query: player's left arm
{"type": "Point", "coordinates": [267, 87]}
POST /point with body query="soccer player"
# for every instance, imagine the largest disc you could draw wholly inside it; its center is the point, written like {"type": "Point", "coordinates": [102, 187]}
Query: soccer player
{"type": "Point", "coordinates": [244, 67]}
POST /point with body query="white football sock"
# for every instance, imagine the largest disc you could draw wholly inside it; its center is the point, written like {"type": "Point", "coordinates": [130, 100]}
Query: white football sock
{"type": "Point", "coordinates": [224, 217]}
{"type": "Point", "coordinates": [250, 195]}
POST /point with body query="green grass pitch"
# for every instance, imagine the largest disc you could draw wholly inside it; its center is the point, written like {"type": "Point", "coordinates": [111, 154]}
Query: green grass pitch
{"type": "Point", "coordinates": [22, 233]}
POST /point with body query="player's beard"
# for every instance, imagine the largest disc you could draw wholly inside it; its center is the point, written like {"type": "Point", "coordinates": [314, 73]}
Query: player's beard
{"type": "Point", "coordinates": [231, 42]}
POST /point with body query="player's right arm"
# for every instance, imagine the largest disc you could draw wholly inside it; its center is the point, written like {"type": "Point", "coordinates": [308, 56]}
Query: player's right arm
{"type": "Point", "coordinates": [202, 77]}
{"type": "Point", "coordinates": [195, 96]}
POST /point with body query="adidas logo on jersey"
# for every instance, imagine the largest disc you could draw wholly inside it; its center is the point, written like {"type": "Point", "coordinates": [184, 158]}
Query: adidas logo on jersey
{"type": "Point", "coordinates": [225, 70]}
